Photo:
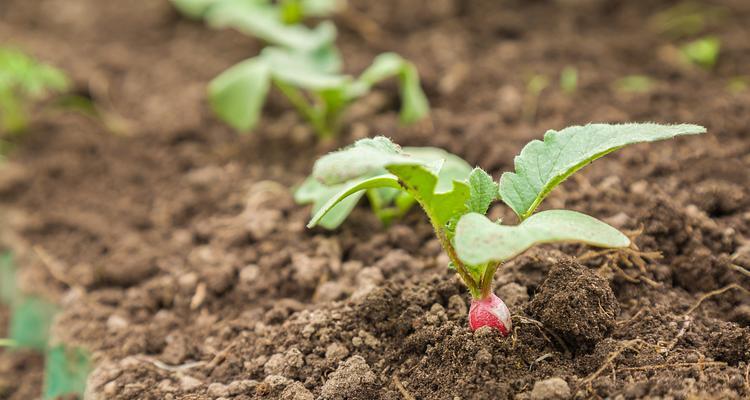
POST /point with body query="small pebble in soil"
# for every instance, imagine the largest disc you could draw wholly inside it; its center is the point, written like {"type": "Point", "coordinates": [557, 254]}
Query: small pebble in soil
{"type": "Point", "coordinates": [551, 389]}
{"type": "Point", "coordinates": [575, 303]}
{"type": "Point", "coordinates": [353, 379]}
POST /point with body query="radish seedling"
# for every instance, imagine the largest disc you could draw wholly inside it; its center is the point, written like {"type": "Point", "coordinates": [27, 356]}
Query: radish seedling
{"type": "Point", "coordinates": [456, 208]}
{"type": "Point", "coordinates": [23, 81]}
{"type": "Point", "coordinates": [313, 83]}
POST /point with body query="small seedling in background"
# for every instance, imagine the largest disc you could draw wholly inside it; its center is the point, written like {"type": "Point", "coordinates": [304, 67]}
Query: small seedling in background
{"type": "Point", "coordinates": [475, 245]}
{"type": "Point", "coordinates": [294, 11]}
{"type": "Point", "coordinates": [66, 370]}
{"type": "Point", "coordinates": [634, 84]}
{"type": "Point", "coordinates": [703, 52]}
{"type": "Point", "coordinates": [314, 85]}
{"type": "Point", "coordinates": [24, 81]}
{"type": "Point", "coordinates": [686, 19]}
{"type": "Point", "coordinates": [8, 343]}
{"type": "Point", "coordinates": [534, 88]}
{"type": "Point", "coordinates": [569, 80]}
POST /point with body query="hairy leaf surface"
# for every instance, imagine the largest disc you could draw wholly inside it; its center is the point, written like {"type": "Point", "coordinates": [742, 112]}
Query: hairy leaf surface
{"type": "Point", "coordinates": [479, 240]}
{"type": "Point", "coordinates": [542, 165]}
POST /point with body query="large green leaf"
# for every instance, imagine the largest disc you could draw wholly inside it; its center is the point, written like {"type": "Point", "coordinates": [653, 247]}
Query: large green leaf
{"type": "Point", "coordinates": [30, 320]}
{"type": "Point", "coordinates": [542, 165]}
{"type": "Point", "coordinates": [238, 94]}
{"type": "Point", "coordinates": [65, 371]}
{"type": "Point", "coordinates": [265, 22]}
{"type": "Point", "coordinates": [479, 240]}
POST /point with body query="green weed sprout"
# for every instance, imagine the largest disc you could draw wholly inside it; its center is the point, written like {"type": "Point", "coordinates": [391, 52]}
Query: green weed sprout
{"type": "Point", "coordinates": [313, 83]}
{"type": "Point", "coordinates": [8, 343]}
{"type": "Point", "coordinates": [634, 84]}
{"type": "Point", "coordinates": [23, 81]}
{"type": "Point", "coordinates": [456, 207]}
{"type": "Point", "coordinates": [569, 80]}
{"type": "Point", "coordinates": [703, 52]}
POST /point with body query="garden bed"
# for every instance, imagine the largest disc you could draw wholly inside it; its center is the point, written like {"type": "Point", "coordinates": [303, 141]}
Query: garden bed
{"type": "Point", "coordinates": [180, 261]}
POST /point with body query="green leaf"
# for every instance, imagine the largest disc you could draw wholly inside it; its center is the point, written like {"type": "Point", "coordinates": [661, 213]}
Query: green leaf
{"type": "Point", "coordinates": [364, 157]}
{"type": "Point", "coordinates": [30, 320]}
{"type": "Point", "coordinates": [238, 94]}
{"type": "Point", "coordinates": [483, 191]}
{"type": "Point", "coordinates": [542, 165]}
{"type": "Point", "coordinates": [634, 84]}
{"type": "Point", "coordinates": [454, 168]}
{"type": "Point", "coordinates": [479, 240]}
{"type": "Point", "coordinates": [414, 104]}
{"type": "Point", "coordinates": [421, 183]}
{"type": "Point", "coordinates": [313, 71]}
{"type": "Point", "coordinates": [265, 21]}
{"type": "Point", "coordinates": [351, 189]}
{"type": "Point", "coordinates": [381, 199]}
{"type": "Point", "coordinates": [65, 372]}
{"type": "Point", "coordinates": [7, 278]}
{"type": "Point", "coordinates": [195, 9]}
{"type": "Point", "coordinates": [314, 192]}
{"type": "Point", "coordinates": [703, 52]}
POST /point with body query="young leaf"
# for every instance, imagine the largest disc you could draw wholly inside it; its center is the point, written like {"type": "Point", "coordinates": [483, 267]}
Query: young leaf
{"type": "Point", "coordinates": [313, 71]}
{"type": "Point", "coordinates": [542, 165]}
{"type": "Point", "coordinates": [195, 9]}
{"type": "Point", "coordinates": [387, 202]}
{"type": "Point", "coordinates": [7, 278]}
{"type": "Point", "coordinates": [414, 104]}
{"type": "Point", "coordinates": [264, 21]}
{"type": "Point", "coordinates": [703, 52]}
{"type": "Point", "coordinates": [365, 156]}
{"type": "Point", "coordinates": [65, 372]}
{"type": "Point", "coordinates": [312, 191]}
{"type": "Point", "coordinates": [479, 240]}
{"type": "Point", "coordinates": [238, 94]}
{"type": "Point", "coordinates": [483, 191]}
{"type": "Point", "coordinates": [352, 189]}
{"type": "Point", "coordinates": [30, 320]}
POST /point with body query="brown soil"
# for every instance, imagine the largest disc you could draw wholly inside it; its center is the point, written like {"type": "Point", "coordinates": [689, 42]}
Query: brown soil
{"type": "Point", "coordinates": [182, 263]}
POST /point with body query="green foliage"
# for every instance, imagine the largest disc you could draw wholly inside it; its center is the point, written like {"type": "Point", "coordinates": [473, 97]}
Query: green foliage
{"type": "Point", "coordinates": [634, 84]}
{"type": "Point", "coordinates": [65, 371]}
{"type": "Point", "coordinates": [31, 318]}
{"type": "Point", "coordinates": [7, 278]}
{"type": "Point", "coordinates": [542, 165]}
{"type": "Point", "coordinates": [703, 52]}
{"type": "Point", "coordinates": [456, 202]}
{"type": "Point", "coordinates": [386, 198]}
{"type": "Point", "coordinates": [23, 81]}
{"type": "Point", "coordinates": [282, 11]}
{"type": "Point", "coordinates": [8, 343]}
{"type": "Point", "coordinates": [480, 241]}
{"type": "Point", "coordinates": [313, 83]}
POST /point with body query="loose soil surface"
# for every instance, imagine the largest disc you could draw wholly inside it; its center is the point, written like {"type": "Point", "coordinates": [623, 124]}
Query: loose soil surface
{"type": "Point", "coordinates": [181, 262]}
